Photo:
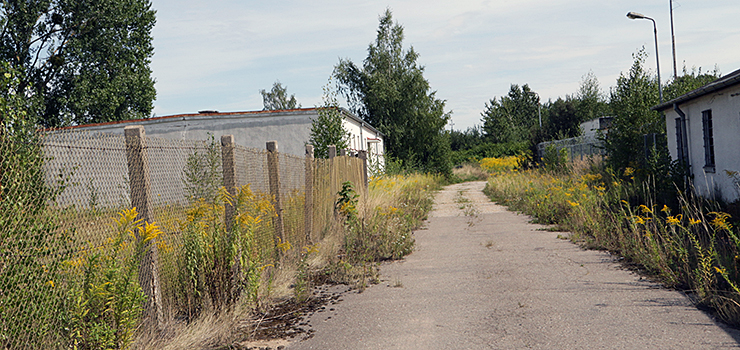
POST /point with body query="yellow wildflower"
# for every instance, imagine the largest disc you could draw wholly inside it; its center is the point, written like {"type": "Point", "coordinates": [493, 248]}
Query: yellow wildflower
{"type": "Point", "coordinates": [666, 209]}
{"type": "Point", "coordinates": [722, 270]}
{"type": "Point", "coordinates": [693, 221]}
{"type": "Point", "coordinates": [639, 219]}
{"type": "Point", "coordinates": [572, 204]}
{"type": "Point", "coordinates": [674, 220]}
{"type": "Point", "coordinates": [720, 221]}
{"type": "Point", "coordinates": [645, 209]}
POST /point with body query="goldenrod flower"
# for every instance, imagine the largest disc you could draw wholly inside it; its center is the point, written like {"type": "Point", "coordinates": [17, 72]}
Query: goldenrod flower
{"type": "Point", "coordinates": [693, 221]}
{"type": "Point", "coordinates": [645, 209]}
{"type": "Point", "coordinates": [722, 270]}
{"type": "Point", "coordinates": [674, 220]}
{"type": "Point", "coordinates": [666, 209]}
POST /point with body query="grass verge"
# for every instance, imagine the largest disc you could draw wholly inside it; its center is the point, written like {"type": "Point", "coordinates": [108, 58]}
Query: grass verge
{"type": "Point", "coordinates": [692, 246]}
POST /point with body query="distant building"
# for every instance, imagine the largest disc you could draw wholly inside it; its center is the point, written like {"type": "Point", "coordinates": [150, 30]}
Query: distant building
{"type": "Point", "coordinates": [290, 128]}
{"type": "Point", "coordinates": [704, 131]}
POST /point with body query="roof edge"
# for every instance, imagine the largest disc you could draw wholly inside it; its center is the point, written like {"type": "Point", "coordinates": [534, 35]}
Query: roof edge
{"type": "Point", "coordinates": [719, 84]}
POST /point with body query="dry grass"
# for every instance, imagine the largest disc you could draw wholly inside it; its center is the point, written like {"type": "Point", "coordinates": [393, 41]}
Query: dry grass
{"type": "Point", "coordinates": [470, 172]}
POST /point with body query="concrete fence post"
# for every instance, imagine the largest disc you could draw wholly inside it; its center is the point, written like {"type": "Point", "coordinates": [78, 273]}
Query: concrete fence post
{"type": "Point", "coordinates": [342, 152]}
{"type": "Point", "coordinates": [138, 173]}
{"type": "Point", "coordinates": [332, 151]}
{"type": "Point", "coordinates": [229, 172]}
{"type": "Point", "coordinates": [363, 155]}
{"type": "Point", "coordinates": [308, 198]}
{"type": "Point", "coordinates": [273, 170]}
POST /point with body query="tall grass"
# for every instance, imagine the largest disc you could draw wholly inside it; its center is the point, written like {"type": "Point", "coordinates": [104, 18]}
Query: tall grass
{"type": "Point", "coordinates": [691, 245]}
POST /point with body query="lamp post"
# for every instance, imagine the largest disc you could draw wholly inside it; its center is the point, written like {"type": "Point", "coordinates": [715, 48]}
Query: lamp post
{"type": "Point", "coordinates": [635, 15]}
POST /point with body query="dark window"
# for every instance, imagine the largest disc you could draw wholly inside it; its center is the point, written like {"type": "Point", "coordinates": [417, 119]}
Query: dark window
{"type": "Point", "coordinates": [680, 145]}
{"type": "Point", "coordinates": [706, 120]}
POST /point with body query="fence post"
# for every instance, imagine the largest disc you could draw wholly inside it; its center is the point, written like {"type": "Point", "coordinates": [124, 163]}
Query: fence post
{"type": "Point", "coordinates": [363, 155]}
{"type": "Point", "coordinates": [332, 151]}
{"type": "Point", "coordinates": [138, 174]}
{"type": "Point", "coordinates": [273, 170]}
{"type": "Point", "coordinates": [229, 170]}
{"type": "Point", "coordinates": [342, 152]}
{"type": "Point", "coordinates": [308, 198]}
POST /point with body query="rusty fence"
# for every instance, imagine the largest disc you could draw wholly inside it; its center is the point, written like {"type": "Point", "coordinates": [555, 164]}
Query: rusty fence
{"type": "Point", "coordinates": [108, 236]}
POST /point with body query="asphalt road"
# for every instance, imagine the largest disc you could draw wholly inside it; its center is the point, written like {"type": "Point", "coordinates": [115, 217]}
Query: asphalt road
{"type": "Point", "coordinates": [484, 278]}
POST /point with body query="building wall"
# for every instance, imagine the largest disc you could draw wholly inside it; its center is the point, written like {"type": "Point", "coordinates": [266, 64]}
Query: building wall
{"type": "Point", "coordinates": [725, 106]}
{"type": "Point", "coordinates": [291, 129]}
{"type": "Point", "coordinates": [363, 138]}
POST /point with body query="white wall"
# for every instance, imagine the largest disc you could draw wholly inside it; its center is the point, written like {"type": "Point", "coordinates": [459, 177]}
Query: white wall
{"type": "Point", "coordinates": [725, 106]}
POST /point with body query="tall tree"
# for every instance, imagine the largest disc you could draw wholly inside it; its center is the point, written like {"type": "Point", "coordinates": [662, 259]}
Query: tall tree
{"type": "Point", "coordinates": [88, 60]}
{"type": "Point", "coordinates": [277, 98]}
{"type": "Point", "coordinates": [630, 102]}
{"type": "Point", "coordinates": [589, 100]}
{"type": "Point", "coordinates": [561, 119]}
{"type": "Point", "coordinates": [389, 91]}
{"type": "Point", "coordinates": [511, 118]}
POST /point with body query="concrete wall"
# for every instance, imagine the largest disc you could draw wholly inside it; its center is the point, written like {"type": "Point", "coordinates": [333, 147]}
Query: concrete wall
{"type": "Point", "coordinates": [725, 106]}
{"type": "Point", "coordinates": [291, 129]}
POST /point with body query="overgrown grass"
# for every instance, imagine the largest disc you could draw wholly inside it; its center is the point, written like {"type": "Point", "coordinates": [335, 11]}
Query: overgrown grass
{"type": "Point", "coordinates": [692, 246]}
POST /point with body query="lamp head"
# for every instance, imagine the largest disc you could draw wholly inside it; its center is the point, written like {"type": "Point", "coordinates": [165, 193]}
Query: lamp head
{"type": "Point", "coordinates": [635, 15]}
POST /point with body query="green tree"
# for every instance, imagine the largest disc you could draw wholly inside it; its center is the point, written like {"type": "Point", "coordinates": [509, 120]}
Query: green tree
{"type": "Point", "coordinates": [689, 81]}
{"type": "Point", "coordinates": [87, 59]}
{"type": "Point", "coordinates": [277, 98]}
{"type": "Point", "coordinates": [630, 102]}
{"type": "Point", "coordinates": [389, 91]}
{"type": "Point", "coordinates": [561, 119]}
{"type": "Point", "coordinates": [328, 128]}
{"type": "Point", "coordinates": [589, 100]}
{"type": "Point", "coordinates": [511, 118]}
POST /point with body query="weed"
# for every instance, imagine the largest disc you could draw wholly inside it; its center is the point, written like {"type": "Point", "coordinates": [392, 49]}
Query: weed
{"type": "Point", "coordinates": [690, 246]}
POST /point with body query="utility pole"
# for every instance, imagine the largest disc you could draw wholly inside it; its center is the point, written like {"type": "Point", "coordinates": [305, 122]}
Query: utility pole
{"type": "Point", "coordinates": [673, 42]}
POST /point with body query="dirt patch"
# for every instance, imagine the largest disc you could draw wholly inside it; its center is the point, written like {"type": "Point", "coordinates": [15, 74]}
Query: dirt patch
{"type": "Point", "coordinates": [286, 322]}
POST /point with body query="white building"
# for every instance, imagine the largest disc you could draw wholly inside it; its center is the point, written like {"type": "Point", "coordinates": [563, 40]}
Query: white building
{"type": "Point", "coordinates": [704, 131]}
{"type": "Point", "coordinates": [290, 128]}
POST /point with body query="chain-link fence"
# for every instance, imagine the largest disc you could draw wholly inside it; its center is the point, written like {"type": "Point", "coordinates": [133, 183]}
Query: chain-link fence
{"type": "Point", "coordinates": [577, 147]}
{"type": "Point", "coordinates": [107, 237]}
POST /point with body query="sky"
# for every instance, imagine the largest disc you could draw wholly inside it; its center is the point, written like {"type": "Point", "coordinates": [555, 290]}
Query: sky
{"type": "Point", "coordinates": [218, 55]}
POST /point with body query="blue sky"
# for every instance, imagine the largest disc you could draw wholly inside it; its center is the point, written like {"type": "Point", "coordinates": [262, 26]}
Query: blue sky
{"type": "Point", "coordinates": [218, 54]}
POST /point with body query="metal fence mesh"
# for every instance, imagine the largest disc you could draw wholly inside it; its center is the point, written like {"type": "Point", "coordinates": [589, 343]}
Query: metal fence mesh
{"type": "Point", "coordinates": [107, 236]}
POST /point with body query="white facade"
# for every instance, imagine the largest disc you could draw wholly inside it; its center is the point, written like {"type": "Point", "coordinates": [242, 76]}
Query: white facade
{"type": "Point", "coordinates": [711, 140]}
{"type": "Point", "coordinates": [290, 128]}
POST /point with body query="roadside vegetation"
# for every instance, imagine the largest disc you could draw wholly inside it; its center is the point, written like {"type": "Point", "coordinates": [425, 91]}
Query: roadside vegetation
{"type": "Point", "coordinates": [687, 243]}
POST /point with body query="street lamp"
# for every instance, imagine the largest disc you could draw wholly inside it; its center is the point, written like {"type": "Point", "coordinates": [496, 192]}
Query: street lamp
{"type": "Point", "coordinates": [635, 15]}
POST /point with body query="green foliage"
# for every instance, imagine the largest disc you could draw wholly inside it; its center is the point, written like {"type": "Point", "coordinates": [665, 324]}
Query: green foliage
{"type": "Point", "coordinates": [555, 159]}
{"type": "Point", "coordinates": [488, 150]}
{"type": "Point", "coordinates": [590, 101]}
{"type": "Point", "coordinates": [692, 246]}
{"type": "Point", "coordinates": [218, 264]}
{"type": "Point", "coordinates": [105, 306]}
{"type": "Point", "coordinates": [277, 98]}
{"type": "Point", "coordinates": [328, 128]}
{"type": "Point", "coordinates": [87, 60]}
{"type": "Point", "coordinates": [631, 100]}
{"type": "Point", "coordinates": [389, 91]}
{"type": "Point", "coordinates": [513, 117]}
{"type": "Point", "coordinates": [689, 81]}
{"type": "Point", "coordinates": [463, 140]}
{"type": "Point", "coordinates": [32, 248]}
{"type": "Point", "coordinates": [561, 119]}
{"type": "Point", "coordinates": [202, 173]}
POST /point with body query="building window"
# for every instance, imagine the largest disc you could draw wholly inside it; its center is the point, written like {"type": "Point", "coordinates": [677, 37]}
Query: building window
{"type": "Point", "coordinates": [706, 120]}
